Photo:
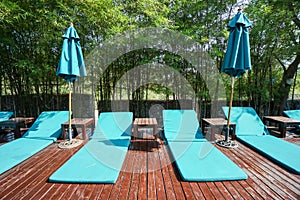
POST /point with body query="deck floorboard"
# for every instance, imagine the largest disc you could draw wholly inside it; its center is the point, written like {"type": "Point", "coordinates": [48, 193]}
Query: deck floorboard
{"type": "Point", "coordinates": [148, 173]}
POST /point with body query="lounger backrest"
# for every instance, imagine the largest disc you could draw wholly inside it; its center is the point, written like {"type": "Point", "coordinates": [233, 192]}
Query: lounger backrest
{"type": "Point", "coordinates": [246, 119]}
{"type": "Point", "coordinates": [5, 115]}
{"type": "Point", "coordinates": [294, 114]}
{"type": "Point", "coordinates": [113, 125]}
{"type": "Point", "coordinates": [181, 124]}
{"type": "Point", "coordinates": [47, 125]}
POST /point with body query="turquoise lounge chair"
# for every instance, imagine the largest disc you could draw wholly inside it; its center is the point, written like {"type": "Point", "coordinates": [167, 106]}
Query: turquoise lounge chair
{"type": "Point", "coordinates": [5, 115]}
{"type": "Point", "coordinates": [251, 131]}
{"type": "Point", "coordinates": [294, 114]}
{"type": "Point", "coordinates": [44, 131]}
{"type": "Point", "coordinates": [196, 158]}
{"type": "Point", "coordinates": [101, 159]}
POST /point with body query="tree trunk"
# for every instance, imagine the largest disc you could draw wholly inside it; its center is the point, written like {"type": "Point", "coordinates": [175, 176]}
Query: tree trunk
{"type": "Point", "coordinates": [282, 94]}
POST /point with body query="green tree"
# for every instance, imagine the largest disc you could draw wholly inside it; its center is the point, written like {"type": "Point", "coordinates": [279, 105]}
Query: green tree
{"type": "Point", "coordinates": [275, 48]}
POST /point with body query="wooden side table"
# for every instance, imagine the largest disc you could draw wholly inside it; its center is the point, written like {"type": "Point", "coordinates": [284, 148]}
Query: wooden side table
{"type": "Point", "coordinates": [82, 123]}
{"type": "Point", "coordinates": [145, 123]}
{"type": "Point", "coordinates": [214, 124]}
{"type": "Point", "coordinates": [18, 124]}
{"type": "Point", "coordinates": [281, 123]}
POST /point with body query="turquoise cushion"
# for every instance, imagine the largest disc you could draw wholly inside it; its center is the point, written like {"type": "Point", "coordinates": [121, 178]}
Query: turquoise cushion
{"type": "Point", "coordinates": [201, 161]}
{"type": "Point", "coordinates": [47, 125]}
{"type": "Point", "coordinates": [99, 161]}
{"type": "Point", "coordinates": [246, 120]}
{"type": "Point", "coordinates": [280, 151]}
{"type": "Point", "coordinates": [5, 115]}
{"type": "Point", "coordinates": [181, 125]}
{"type": "Point", "coordinates": [295, 114]}
{"type": "Point", "coordinates": [196, 158]}
{"type": "Point", "coordinates": [16, 151]}
{"type": "Point", "coordinates": [114, 125]}
{"type": "Point", "coordinates": [42, 133]}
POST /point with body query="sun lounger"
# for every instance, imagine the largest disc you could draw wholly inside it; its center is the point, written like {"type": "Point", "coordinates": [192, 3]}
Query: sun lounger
{"type": "Point", "coordinates": [101, 159]}
{"type": "Point", "coordinates": [5, 115]}
{"type": "Point", "coordinates": [294, 114]}
{"type": "Point", "coordinates": [42, 133]}
{"type": "Point", "coordinates": [251, 131]}
{"type": "Point", "coordinates": [196, 158]}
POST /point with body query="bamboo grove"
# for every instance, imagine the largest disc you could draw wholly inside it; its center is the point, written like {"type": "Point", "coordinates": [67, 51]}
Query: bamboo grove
{"type": "Point", "coordinates": [30, 46]}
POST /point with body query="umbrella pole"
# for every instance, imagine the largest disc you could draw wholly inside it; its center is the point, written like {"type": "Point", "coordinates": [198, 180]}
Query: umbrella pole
{"type": "Point", "coordinates": [229, 111]}
{"type": "Point", "coordinates": [71, 143]}
{"type": "Point", "coordinates": [70, 111]}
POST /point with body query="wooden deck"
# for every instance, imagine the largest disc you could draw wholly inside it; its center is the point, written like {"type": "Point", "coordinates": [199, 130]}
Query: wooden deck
{"type": "Point", "coordinates": [148, 174]}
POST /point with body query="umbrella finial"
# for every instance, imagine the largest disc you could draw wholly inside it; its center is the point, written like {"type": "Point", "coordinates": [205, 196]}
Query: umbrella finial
{"type": "Point", "coordinates": [240, 9]}
{"type": "Point", "coordinates": [71, 24]}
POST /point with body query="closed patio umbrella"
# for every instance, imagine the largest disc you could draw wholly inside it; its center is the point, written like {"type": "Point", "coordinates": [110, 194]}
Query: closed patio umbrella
{"type": "Point", "coordinates": [237, 60]}
{"type": "Point", "coordinates": [71, 64]}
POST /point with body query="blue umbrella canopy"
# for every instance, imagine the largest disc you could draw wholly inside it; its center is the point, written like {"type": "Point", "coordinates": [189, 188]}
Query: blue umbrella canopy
{"type": "Point", "coordinates": [237, 58]}
{"type": "Point", "coordinates": [71, 64]}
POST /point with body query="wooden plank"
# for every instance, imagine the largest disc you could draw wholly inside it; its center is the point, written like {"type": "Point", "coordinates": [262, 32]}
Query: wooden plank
{"type": "Point", "coordinates": [174, 175]}
{"type": "Point", "coordinates": [106, 191]}
{"type": "Point", "coordinates": [233, 191]}
{"type": "Point", "coordinates": [223, 190]}
{"type": "Point", "coordinates": [88, 191]}
{"type": "Point", "coordinates": [266, 179]}
{"type": "Point", "coordinates": [151, 194]}
{"type": "Point", "coordinates": [42, 176]}
{"type": "Point", "coordinates": [45, 187]}
{"type": "Point", "coordinates": [243, 164]}
{"type": "Point", "coordinates": [21, 187]}
{"type": "Point", "coordinates": [60, 191]}
{"type": "Point", "coordinates": [118, 185]}
{"type": "Point", "coordinates": [160, 188]}
{"type": "Point", "coordinates": [188, 193]}
{"type": "Point", "coordinates": [205, 190]}
{"type": "Point", "coordinates": [97, 191]}
{"type": "Point", "coordinates": [78, 194]}
{"type": "Point", "coordinates": [255, 174]}
{"type": "Point", "coordinates": [52, 191]}
{"type": "Point", "coordinates": [22, 169]}
{"type": "Point", "coordinates": [165, 162]}
{"type": "Point", "coordinates": [253, 193]}
{"type": "Point", "coordinates": [135, 178]}
{"type": "Point", "coordinates": [142, 191]}
{"type": "Point", "coordinates": [254, 180]}
{"type": "Point", "coordinates": [196, 191]}
{"type": "Point", "coordinates": [242, 192]}
{"type": "Point", "coordinates": [273, 177]}
{"type": "Point", "coordinates": [214, 190]}
{"type": "Point", "coordinates": [276, 170]}
{"type": "Point", "coordinates": [127, 176]}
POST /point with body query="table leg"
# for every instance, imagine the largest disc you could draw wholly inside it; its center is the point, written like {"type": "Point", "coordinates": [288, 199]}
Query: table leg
{"type": "Point", "coordinates": [212, 133]}
{"type": "Point", "coordinates": [84, 132]}
{"type": "Point", "coordinates": [135, 128]}
{"type": "Point", "coordinates": [64, 133]}
{"type": "Point", "coordinates": [155, 130]}
{"type": "Point", "coordinates": [282, 129]}
{"type": "Point", "coordinates": [233, 132]}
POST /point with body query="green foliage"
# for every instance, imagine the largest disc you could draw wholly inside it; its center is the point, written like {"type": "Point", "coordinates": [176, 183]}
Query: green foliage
{"type": "Point", "coordinates": [31, 30]}
{"type": "Point", "coordinates": [274, 40]}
